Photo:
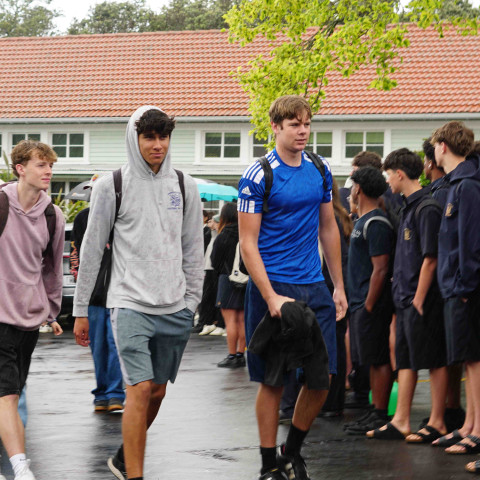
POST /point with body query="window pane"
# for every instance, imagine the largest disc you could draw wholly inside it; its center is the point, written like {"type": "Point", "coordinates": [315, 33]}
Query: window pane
{"type": "Point", "coordinates": [73, 185]}
{"type": "Point", "coordinates": [354, 137]}
{"type": "Point", "coordinates": [231, 152]}
{"type": "Point", "coordinates": [76, 152]}
{"type": "Point", "coordinates": [17, 137]}
{"type": "Point", "coordinates": [324, 138]}
{"type": "Point", "coordinates": [213, 139]}
{"type": "Point", "coordinates": [324, 150]}
{"type": "Point", "coordinates": [212, 152]}
{"type": "Point", "coordinates": [61, 151]}
{"type": "Point", "coordinates": [350, 152]}
{"type": "Point", "coordinates": [376, 148]}
{"type": "Point", "coordinates": [374, 137]}
{"type": "Point", "coordinates": [259, 151]}
{"type": "Point", "coordinates": [57, 187]}
{"type": "Point", "coordinates": [34, 136]}
{"type": "Point", "coordinates": [59, 139]}
{"type": "Point", "coordinates": [232, 139]}
{"type": "Point", "coordinates": [76, 139]}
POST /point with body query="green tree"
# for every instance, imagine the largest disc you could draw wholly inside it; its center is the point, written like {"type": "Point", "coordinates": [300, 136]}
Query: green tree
{"type": "Point", "coordinates": [21, 18]}
{"type": "Point", "coordinates": [193, 15]}
{"type": "Point", "coordinates": [310, 40]}
{"type": "Point", "coordinates": [113, 17]}
{"type": "Point", "coordinates": [457, 9]}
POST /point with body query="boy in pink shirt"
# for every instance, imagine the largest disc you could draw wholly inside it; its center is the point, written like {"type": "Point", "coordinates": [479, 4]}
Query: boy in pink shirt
{"type": "Point", "coordinates": [31, 277]}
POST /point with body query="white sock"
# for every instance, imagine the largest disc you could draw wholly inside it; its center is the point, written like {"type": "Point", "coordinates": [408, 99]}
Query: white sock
{"type": "Point", "coordinates": [18, 462]}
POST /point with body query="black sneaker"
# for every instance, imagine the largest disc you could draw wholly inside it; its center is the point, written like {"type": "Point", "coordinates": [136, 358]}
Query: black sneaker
{"type": "Point", "coordinates": [375, 421]}
{"type": "Point", "coordinates": [117, 468]}
{"type": "Point", "coordinates": [294, 467]}
{"type": "Point", "coordinates": [365, 418]}
{"type": "Point", "coordinates": [241, 361]}
{"type": "Point", "coordinates": [228, 362]}
{"type": "Point", "coordinates": [274, 474]}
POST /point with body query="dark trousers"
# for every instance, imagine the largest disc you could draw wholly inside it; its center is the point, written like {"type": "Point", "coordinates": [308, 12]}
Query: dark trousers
{"type": "Point", "coordinates": [207, 311]}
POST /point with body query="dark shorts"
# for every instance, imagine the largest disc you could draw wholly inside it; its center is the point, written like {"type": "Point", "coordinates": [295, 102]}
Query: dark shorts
{"type": "Point", "coordinates": [315, 295]}
{"type": "Point", "coordinates": [462, 329]}
{"type": "Point", "coordinates": [228, 295]}
{"type": "Point", "coordinates": [420, 339]}
{"type": "Point", "coordinates": [16, 348]}
{"type": "Point", "coordinates": [370, 332]}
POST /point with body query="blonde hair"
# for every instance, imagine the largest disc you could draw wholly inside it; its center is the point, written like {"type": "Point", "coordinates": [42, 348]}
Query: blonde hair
{"type": "Point", "coordinates": [23, 151]}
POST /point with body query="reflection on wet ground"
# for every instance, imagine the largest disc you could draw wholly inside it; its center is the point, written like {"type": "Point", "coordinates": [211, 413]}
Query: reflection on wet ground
{"type": "Point", "coordinates": [206, 428]}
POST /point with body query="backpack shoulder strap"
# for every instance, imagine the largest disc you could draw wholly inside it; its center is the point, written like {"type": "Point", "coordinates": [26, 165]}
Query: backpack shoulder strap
{"type": "Point", "coordinates": [268, 173]}
{"type": "Point", "coordinates": [51, 219]}
{"type": "Point", "coordinates": [117, 183]}
{"type": "Point", "coordinates": [181, 182]}
{"type": "Point", "coordinates": [318, 162]}
{"type": "Point", "coordinates": [4, 207]}
{"type": "Point", "coordinates": [373, 219]}
{"type": "Point", "coordinates": [427, 202]}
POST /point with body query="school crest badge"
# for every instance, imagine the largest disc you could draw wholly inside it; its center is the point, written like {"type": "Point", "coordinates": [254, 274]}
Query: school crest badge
{"type": "Point", "coordinates": [448, 210]}
{"type": "Point", "coordinates": [175, 201]}
{"type": "Point", "coordinates": [407, 234]}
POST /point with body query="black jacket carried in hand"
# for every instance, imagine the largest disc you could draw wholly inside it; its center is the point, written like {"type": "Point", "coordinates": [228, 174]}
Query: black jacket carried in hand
{"type": "Point", "coordinates": [290, 342]}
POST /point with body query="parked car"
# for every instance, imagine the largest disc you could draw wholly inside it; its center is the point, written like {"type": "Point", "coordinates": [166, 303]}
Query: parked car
{"type": "Point", "coordinates": [68, 289]}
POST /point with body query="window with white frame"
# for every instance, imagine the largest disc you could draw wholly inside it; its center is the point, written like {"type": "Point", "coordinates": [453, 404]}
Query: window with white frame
{"type": "Point", "coordinates": [60, 189]}
{"type": "Point", "coordinates": [222, 145]}
{"type": "Point", "coordinates": [259, 149]}
{"type": "Point", "coordinates": [356, 142]}
{"type": "Point", "coordinates": [321, 143]}
{"type": "Point", "coordinates": [18, 137]}
{"type": "Point", "coordinates": [69, 145]}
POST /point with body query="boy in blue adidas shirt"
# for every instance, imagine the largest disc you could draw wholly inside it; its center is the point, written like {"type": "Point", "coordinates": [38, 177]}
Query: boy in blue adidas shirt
{"type": "Point", "coordinates": [280, 251]}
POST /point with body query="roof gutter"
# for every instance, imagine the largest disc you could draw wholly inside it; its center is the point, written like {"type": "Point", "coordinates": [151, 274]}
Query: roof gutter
{"type": "Point", "coordinates": [246, 119]}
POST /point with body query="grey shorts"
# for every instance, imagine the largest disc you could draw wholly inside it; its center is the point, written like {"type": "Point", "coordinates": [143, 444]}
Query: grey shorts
{"type": "Point", "coordinates": [150, 347]}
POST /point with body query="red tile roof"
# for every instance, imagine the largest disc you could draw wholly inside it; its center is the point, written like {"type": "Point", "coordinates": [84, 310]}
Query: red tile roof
{"type": "Point", "coordinates": [187, 74]}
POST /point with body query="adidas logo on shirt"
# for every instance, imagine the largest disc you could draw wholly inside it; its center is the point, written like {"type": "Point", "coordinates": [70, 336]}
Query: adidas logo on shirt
{"type": "Point", "coordinates": [246, 191]}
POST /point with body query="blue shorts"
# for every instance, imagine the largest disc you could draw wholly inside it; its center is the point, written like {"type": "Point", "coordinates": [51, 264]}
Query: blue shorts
{"type": "Point", "coordinates": [315, 295]}
{"type": "Point", "coordinates": [150, 347]}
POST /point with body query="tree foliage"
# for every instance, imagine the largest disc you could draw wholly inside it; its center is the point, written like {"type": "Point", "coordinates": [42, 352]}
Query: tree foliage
{"type": "Point", "coordinates": [26, 18]}
{"type": "Point", "coordinates": [135, 16]}
{"type": "Point", "coordinates": [310, 40]}
{"type": "Point", "coordinates": [114, 17]}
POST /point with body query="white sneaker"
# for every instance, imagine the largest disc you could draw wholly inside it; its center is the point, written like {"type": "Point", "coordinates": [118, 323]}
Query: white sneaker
{"type": "Point", "coordinates": [45, 329]}
{"type": "Point", "coordinates": [207, 329]}
{"type": "Point", "coordinates": [25, 473]}
{"type": "Point", "coordinates": [219, 331]}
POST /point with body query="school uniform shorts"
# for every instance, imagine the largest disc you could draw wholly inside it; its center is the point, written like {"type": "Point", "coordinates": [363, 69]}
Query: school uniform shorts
{"type": "Point", "coordinates": [315, 295]}
{"type": "Point", "coordinates": [150, 347]}
{"type": "Point", "coordinates": [420, 339]}
{"type": "Point", "coordinates": [462, 328]}
{"type": "Point", "coordinates": [370, 332]}
{"type": "Point", "coordinates": [16, 348]}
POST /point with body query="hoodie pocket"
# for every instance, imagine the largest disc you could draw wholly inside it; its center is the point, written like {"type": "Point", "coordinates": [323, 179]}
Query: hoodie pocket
{"type": "Point", "coordinates": [154, 282]}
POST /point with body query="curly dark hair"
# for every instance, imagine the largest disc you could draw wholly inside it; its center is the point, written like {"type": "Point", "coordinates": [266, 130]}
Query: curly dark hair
{"type": "Point", "coordinates": [155, 121]}
{"type": "Point", "coordinates": [405, 160]}
{"type": "Point", "coordinates": [371, 181]}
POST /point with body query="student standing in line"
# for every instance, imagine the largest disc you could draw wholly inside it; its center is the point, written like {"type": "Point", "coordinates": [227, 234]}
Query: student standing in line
{"type": "Point", "coordinates": [420, 332]}
{"type": "Point", "coordinates": [370, 298]}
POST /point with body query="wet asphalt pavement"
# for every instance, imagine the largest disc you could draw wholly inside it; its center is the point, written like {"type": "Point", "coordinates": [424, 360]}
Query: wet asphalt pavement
{"type": "Point", "coordinates": [205, 430]}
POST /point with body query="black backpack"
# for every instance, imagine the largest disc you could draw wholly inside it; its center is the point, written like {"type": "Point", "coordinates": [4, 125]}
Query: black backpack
{"type": "Point", "coordinates": [99, 294]}
{"type": "Point", "coordinates": [267, 170]}
{"type": "Point", "coordinates": [50, 217]}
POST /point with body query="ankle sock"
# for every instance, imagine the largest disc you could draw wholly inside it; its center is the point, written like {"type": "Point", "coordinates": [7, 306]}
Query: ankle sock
{"type": "Point", "coordinates": [119, 454]}
{"type": "Point", "coordinates": [383, 413]}
{"type": "Point", "coordinates": [135, 478]}
{"type": "Point", "coordinates": [269, 459]}
{"type": "Point", "coordinates": [18, 461]}
{"type": "Point", "coordinates": [231, 356]}
{"type": "Point", "coordinates": [239, 355]}
{"type": "Point", "coordinates": [294, 441]}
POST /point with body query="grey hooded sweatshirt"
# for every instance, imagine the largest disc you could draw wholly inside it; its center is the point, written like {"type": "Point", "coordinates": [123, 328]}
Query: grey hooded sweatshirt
{"type": "Point", "coordinates": [157, 265]}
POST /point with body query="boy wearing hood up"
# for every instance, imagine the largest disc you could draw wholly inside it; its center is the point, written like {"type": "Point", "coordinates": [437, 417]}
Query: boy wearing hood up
{"type": "Point", "coordinates": [30, 285]}
{"type": "Point", "coordinates": [156, 275]}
